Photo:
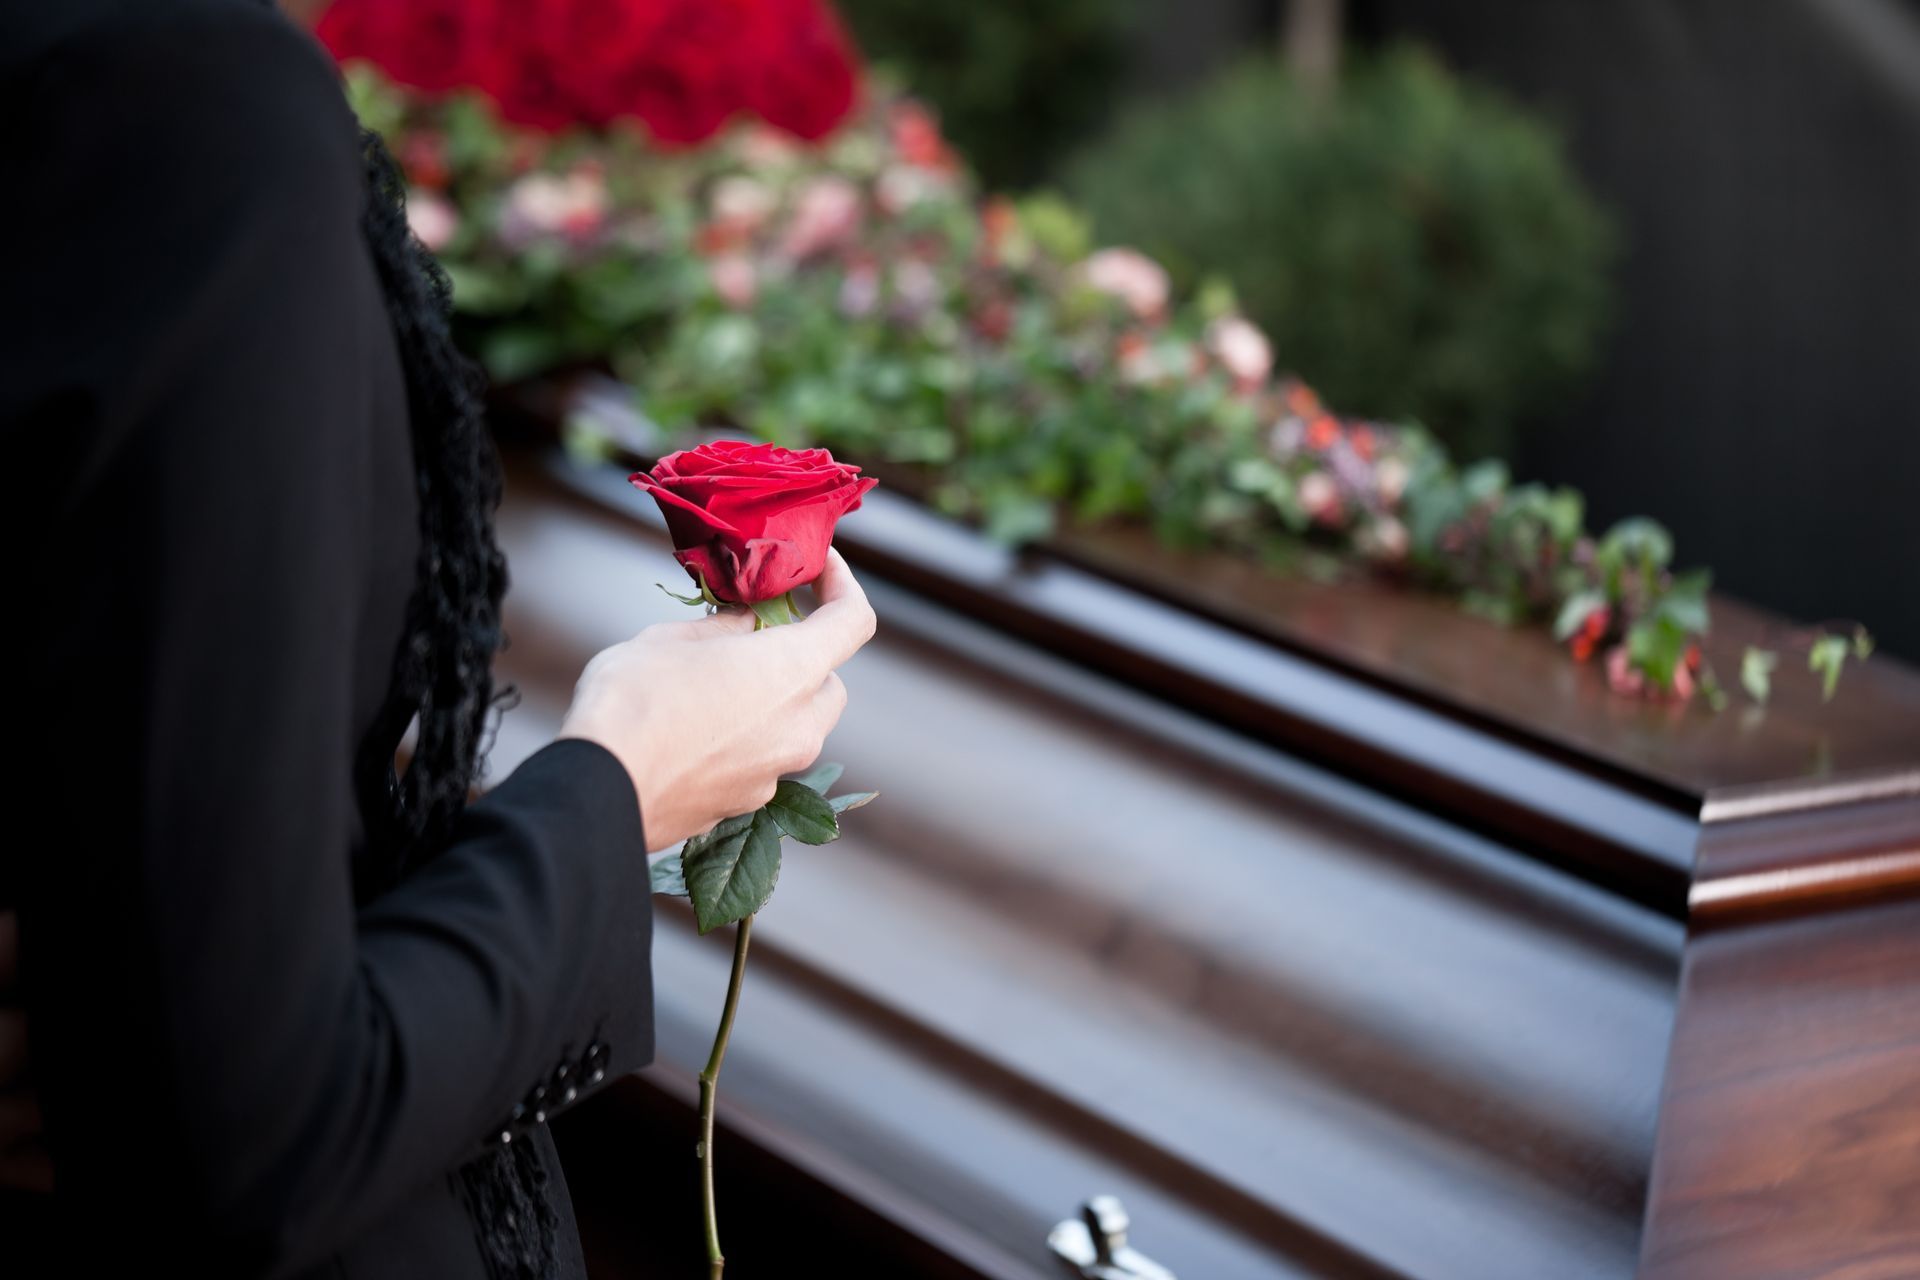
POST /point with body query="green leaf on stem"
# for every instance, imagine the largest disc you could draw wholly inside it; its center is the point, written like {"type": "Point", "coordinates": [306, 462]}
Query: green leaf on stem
{"type": "Point", "coordinates": [853, 800]}
{"type": "Point", "coordinates": [821, 776]}
{"type": "Point", "coordinates": [1656, 645]}
{"type": "Point", "coordinates": [1685, 601]}
{"type": "Point", "coordinates": [1862, 642]}
{"type": "Point", "coordinates": [1825, 658]}
{"type": "Point", "coordinates": [668, 877]}
{"type": "Point", "coordinates": [1756, 672]}
{"type": "Point", "coordinates": [732, 869]}
{"type": "Point", "coordinates": [803, 813]}
{"type": "Point", "coordinates": [1574, 613]}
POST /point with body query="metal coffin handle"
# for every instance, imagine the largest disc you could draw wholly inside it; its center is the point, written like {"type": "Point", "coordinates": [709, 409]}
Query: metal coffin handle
{"type": "Point", "coordinates": [1095, 1244]}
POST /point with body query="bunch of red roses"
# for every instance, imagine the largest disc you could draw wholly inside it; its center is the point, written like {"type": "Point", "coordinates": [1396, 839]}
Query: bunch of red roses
{"type": "Point", "coordinates": [684, 67]}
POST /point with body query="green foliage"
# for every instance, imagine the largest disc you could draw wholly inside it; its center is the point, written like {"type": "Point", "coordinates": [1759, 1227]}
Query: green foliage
{"type": "Point", "coordinates": [1016, 82]}
{"type": "Point", "coordinates": [1001, 363]}
{"type": "Point", "coordinates": [803, 813]}
{"type": "Point", "coordinates": [1417, 247]}
{"type": "Point", "coordinates": [730, 872]}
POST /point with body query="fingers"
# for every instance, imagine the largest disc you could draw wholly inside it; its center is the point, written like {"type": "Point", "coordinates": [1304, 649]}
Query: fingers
{"type": "Point", "coordinates": [844, 621]}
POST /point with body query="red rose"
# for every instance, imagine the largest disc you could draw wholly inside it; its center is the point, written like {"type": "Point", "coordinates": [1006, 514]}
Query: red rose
{"type": "Point", "coordinates": [805, 81]}
{"type": "Point", "coordinates": [434, 45]}
{"type": "Point", "coordinates": [755, 520]}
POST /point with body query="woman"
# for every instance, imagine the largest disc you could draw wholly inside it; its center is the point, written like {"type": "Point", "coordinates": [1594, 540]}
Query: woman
{"type": "Point", "coordinates": [287, 1012]}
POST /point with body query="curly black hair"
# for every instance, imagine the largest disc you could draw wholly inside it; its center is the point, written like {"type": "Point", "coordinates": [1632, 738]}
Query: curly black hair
{"type": "Point", "coordinates": [442, 669]}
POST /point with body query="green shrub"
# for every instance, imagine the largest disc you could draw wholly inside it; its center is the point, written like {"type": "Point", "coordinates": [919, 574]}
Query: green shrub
{"type": "Point", "coordinates": [1017, 83]}
{"type": "Point", "coordinates": [1417, 247]}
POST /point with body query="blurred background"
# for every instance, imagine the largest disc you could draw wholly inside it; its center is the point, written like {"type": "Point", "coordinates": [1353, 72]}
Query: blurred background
{"type": "Point", "coordinates": [1740, 349]}
{"type": "Point", "coordinates": [1748, 340]}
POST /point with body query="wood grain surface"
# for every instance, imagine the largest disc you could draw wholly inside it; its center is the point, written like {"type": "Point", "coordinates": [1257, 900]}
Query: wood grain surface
{"type": "Point", "coordinates": [1090, 942]}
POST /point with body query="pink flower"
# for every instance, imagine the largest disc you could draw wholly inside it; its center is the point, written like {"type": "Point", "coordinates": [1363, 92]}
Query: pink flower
{"type": "Point", "coordinates": [915, 286]}
{"type": "Point", "coordinates": [1145, 361]}
{"type": "Point", "coordinates": [1242, 350]}
{"type": "Point", "coordinates": [734, 279]}
{"type": "Point", "coordinates": [432, 219]}
{"type": "Point", "coordinates": [1385, 539]}
{"type": "Point", "coordinates": [1626, 679]}
{"type": "Point", "coordinates": [741, 203]}
{"type": "Point", "coordinates": [764, 147]}
{"type": "Point", "coordinates": [860, 290]}
{"type": "Point", "coordinates": [900, 187]}
{"type": "Point", "coordinates": [1320, 496]}
{"type": "Point", "coordinates": [826, 215]}
{"type": "Point", "coordinates": [1390, 479]}
{"type": "Point", "coordinates": [1130, 276]}
{"type": "Point", "coordinates": [1622, 676]}
{"type": "Point", "coordinates": [544, 204]}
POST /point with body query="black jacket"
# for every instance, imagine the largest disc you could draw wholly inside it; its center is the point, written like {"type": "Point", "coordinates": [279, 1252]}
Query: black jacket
{"type": "Point", "coordinates": [211, 525]}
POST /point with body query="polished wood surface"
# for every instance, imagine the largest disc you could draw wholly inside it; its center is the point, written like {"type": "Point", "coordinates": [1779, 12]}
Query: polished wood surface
{"type": "Point", "coordinates": [1312, 919]}
{"type": "Point", "coordinates": [1789, 1142]}
{"type": "Point", "coordinates": [1519, 678]}
{"type": "Point", "coordinates": [1090, 941]}
{"type": "Point", "coordinates": [1790, 1129]}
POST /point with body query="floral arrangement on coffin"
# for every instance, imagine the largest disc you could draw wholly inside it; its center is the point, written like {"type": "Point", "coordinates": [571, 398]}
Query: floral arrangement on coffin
{"type": "Point", "coordinates": [847, 286]}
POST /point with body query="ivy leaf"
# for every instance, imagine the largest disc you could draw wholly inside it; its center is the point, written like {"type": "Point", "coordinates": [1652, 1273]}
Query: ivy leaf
{"type": "Point", "coordinates": [668, 877]}
{"type": "Point", "coordinates": [1641, 541]}
{"type": "Point", "coordinates": [1756, 672]}
{"type": "Point", "coordinates": [731, 870]}
{"type": "Point", "coordinates": [1826, 657]}
{"type": "Point", "coordinates": [853, 800]}
{"type": "Point", "coordinates": [1686, 601]}
{"type": "Point", "coordinates": [803, 813]}
{"type": "Point", "coordinates": [1655, 645]}
{"type": "Point", "coordinates": [1574, 613]}
{"type": "Point", "coordinates": [1710, 690]}
{"type": "Point", "coordinates": [821, 776]}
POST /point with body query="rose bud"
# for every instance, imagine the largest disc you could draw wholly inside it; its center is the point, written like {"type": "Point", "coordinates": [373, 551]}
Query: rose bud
{"type": "Point", "coordinates": [753, 521]}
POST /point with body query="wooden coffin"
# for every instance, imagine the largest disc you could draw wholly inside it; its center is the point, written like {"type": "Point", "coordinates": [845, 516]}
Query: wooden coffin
{"type": "Point", "coordinates": [1335, 932]}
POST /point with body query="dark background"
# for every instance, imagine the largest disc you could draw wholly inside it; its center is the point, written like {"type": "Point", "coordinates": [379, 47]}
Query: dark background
{"type": "Point", "coordinates": [1758, 393]}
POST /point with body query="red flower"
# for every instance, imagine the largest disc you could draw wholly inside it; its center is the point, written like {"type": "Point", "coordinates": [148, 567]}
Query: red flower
{"type": "Point", "coordinates": [1322, 432]}
{"type": "Point", "coordinates": [423, 156]}
{"type": "Point", "coordinates": [753, 520]}
{"type": "Point", "coordinates": [916, 137]}
{"type": "Point", "coordinates": [435, 45]}
{"type": "Point", "coordinates": [684, 67]}
{"type": "Point", "coordinates": [526, 81]}
{"type": "Point", "coordinates": [805, 81]}
{"type": "Point", "coordinates": [1592, 631]}
{"type": "Point", "coordinates": [998, 223]}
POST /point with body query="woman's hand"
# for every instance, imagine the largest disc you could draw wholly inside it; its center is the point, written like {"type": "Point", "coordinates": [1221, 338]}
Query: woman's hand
{"type": "Point", "coordinates": [24, 1165]}
{"type": "Point", "coordinates": [707, 714]}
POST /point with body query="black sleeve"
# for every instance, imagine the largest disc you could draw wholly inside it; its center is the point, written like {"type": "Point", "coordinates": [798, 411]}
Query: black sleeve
{"type": "Point", "coordinates": [239, 1068]}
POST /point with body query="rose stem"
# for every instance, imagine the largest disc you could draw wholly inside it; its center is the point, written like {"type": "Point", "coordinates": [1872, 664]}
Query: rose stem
{"type": "Point", "coordinates": [709, 1083]}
